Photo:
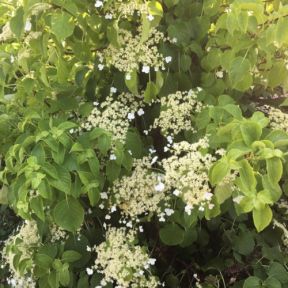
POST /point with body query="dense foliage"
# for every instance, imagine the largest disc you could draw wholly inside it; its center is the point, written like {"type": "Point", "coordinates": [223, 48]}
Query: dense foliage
{"type": "Point", "coordinates": [144, 143]}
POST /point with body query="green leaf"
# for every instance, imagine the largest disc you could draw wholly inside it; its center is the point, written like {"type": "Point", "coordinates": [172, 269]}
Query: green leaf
{"type": "Point", "coordinates": [278, 137]}
{"type": "Point", "coordinates": [251, 131]}
{"type": "Point", "coordinates": [63, 181]}
{"type": "Point", "coordinates": [104, 143]}
{"type": "Point", "coordinates": [274, 169]}
{"type": "Point", "coordinates": [17, 22]}
{"type": "Point", "coordinates": [244, 243]}
{"type": "Point", "coordinates": [245, 205]}
{"type": "Point", "coordinates": [247, 181]}
{"type": "Point", "coordinates": [112, 170]}
{"type": "Point", "coordinates": [281, 31]}
{"type": "Point", "coordinates": [4, 195]}
{"type": "Point", "coordinates": [64, 275]}
{"type": "Point", "coordinates": [112, 34]}
{"type": "Point", "coordinates": [67, 125]}
{"type": "Point", "coordinates": [273, 188]}
{"type": "Point", "coordinates": [172, 234]}
{"type": "Point", "coordinates": [134, 143]}
{"type": "Point", "coordinates": [276, 270]}
{"type": "Point", "coordinates": [277, 75]}
{"type": "Point", "coordinates": [150, 92]}
{"type": "Point", "coordinates": [223, 192]}
{"type": "Point", "coordinates": [243, 21]}
{"type": "Point", "coordinates": [155, 8]}
{"type": "Point", "coordinates": [272, 283]}
{"type": "Point", "coordinates": [252, 282]}
{"type": "Point", "coordinates": [69, 214]}
{"type": "Point", "coordinates": [132, 82]}
{"type": "Point", "coordinates": [71, 256]}
{"type": "Point", "coordinates": [36, 204]}
{"type": "Point", "coordinates": [239, 73]}
{"type": "Point", "coordinates": [62, 25]}
{"type": "Point", "coordinates": [262, 217]}
{"type": "Point", "coordinates": [218, 171]}
{"type": "Point", "coordinates": [171, 3]}
{"type": "Point", "coordinates": [43, 260]}
{"type": "Point", "coordinates": [94, 196]}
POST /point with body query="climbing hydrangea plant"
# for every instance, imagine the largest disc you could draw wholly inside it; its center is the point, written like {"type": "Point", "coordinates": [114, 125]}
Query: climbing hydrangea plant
{"type": "Point", "coordinates": [144, 143]}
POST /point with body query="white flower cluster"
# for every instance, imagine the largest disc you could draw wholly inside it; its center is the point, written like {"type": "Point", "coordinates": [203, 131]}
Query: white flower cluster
{"type": "Point", "coordinates": [120, 9]}
{"type": "Point", "coordinates": [114, 115]}
{"type": "Point", "coordinates": [186, 172]}
{"type": "Point", "coordinates": [133, 52]}
{"type": "Point", "coordinates": [278, 119]}
{"type": "Point", "coordinates": [122, 262]}
{"type": "Point", "coordinates": [21, 245]}
{"type": "Point", "coordinates": [141, 192]}
{"type": "Point", "coordinates": [57, 233]}
{"type": "Point", "coordinates": [177, 111]}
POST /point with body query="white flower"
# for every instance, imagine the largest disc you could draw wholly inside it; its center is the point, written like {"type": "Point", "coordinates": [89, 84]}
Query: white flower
{"type": "Point", "coordinates": [141, 229]}
{"type": "Point", "coordinates": [108, 16]}
{"type": "Point", "coordinates": [152, 150]}
{"type": "Point", "coordinates": [174, 40]}
{"type": "Point", "coordinates": [169, 211]}
{"type": "Point", "coordinates": [250, 13]}
{"type": "Point", "coordinates": [12, 59]}
{"type": "Point", "coordinates": [89, 271]}
{"type": "Point", "coordinates": [150, 17]}
{"type": "Point", "coordinates": [219, 74]}
{"type": "Point", "coordinates": [166, 149]}
{"type": "Point", "coordinates": [95, 103]}
{"type": "Point", "coordinates": [104, 195]}
{"type": "Point", "coordinates": [88, 248]}
{"type": "Point", "coordinates": [201, 208]}
{"type": "Point", "coordinates": [112, 157]}
{"type": "Point", "coordinates": [145, 132]}
{"type": "Point", "coordinates": [238, 199]}
{"type": "Point", "coordinates": [156, 69]}
{"type": "Point", "coordinates": [161, 219]}
{"type": "Point", "coordinates": [129, 224]}
{"type": "Point", "coordinates": [154, 161]}
{"type": "Point", "coordinates": [71, 131]}
{"type": "Point", "coordinates": [101, 206]}
{"type": "Point", "coordinates": [113, 90]}
{"type": "Point", "coordinates": [100, 67]}
{"type": "Point", "coordinates": [28, 26]}
{"type": "Point", "coordinates": [113, 209]}
{"type": "Point", "coordinates": [141, 272]}
{"type": "Point", "coordinates": [208, 196]}
{"type": "Point", "coordinates": [145, 69]}
{"type": "Point", "coordinates": [188, 209]}
{"type": "Point", "coordinates": [128, 77]}
{"type": "Point", "coordinates": [176, 192]}
{"type": "Point", "coordinates": [140, 112]}
{"type": "Point", "coordinates": [211, 206]}
{"type": "Point", "coordinates": [98, 4]}
{"type": "Point", "coordinates": [151, 261]}
{"type": "Point", "coordinates": [169, 139]}
{"type": "Point", "coordinates": [103, 282]}
{"type": "Point", "coordinates": [107, 217]}
{"type": "Point", "coordinates": [168, 59]}
{"type": "Point", "coordinates": [131, 116]}
{"type": "Point", "coordinates": [159, 187]}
